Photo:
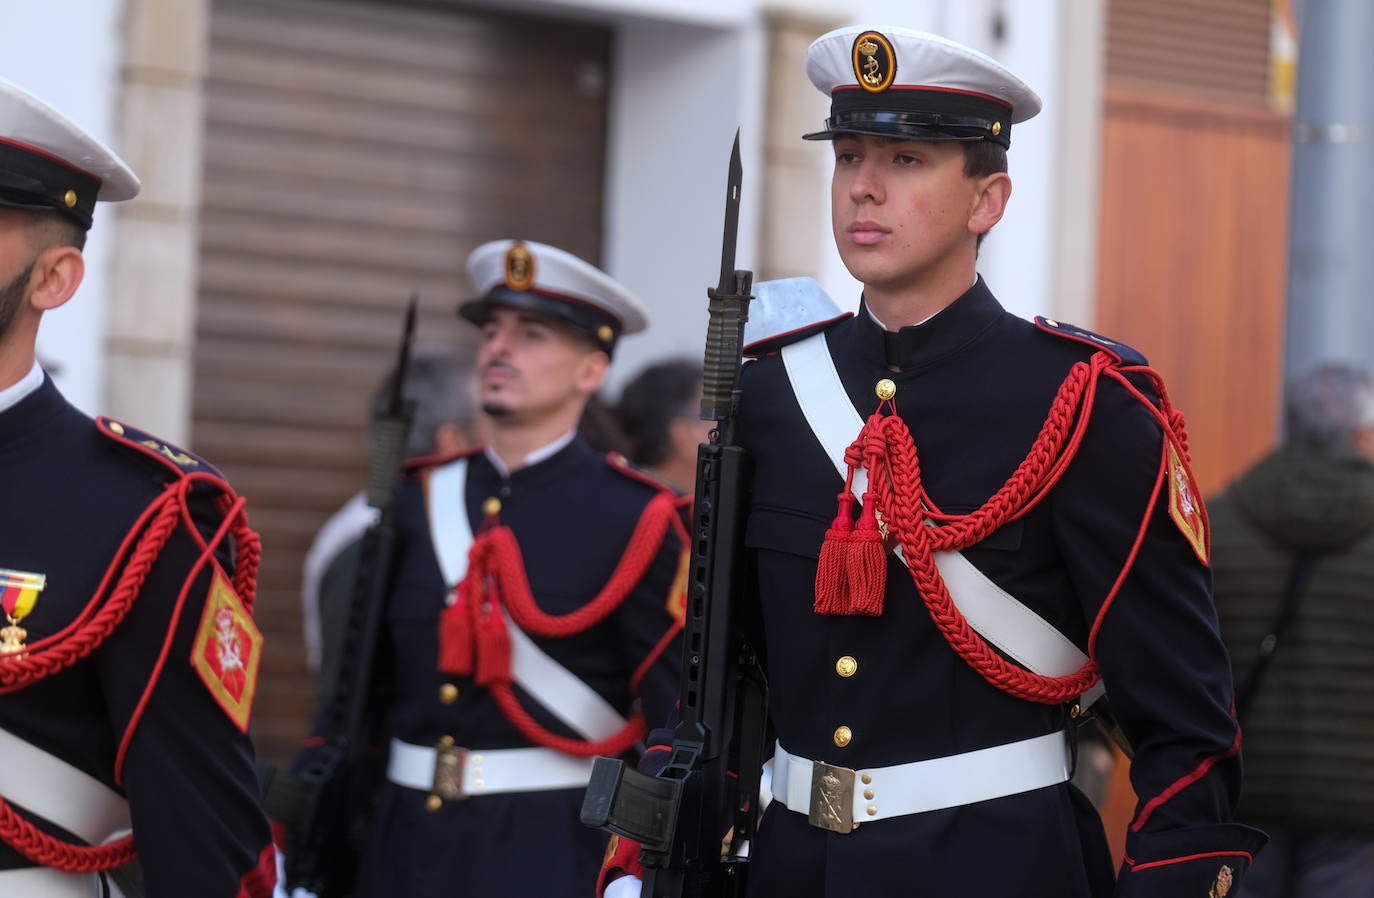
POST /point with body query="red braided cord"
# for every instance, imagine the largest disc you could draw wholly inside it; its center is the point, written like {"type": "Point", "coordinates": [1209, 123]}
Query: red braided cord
{"type": "Point", "coordinates": [45, 658]}
{"type": "Point", "coordinates": [501, 554]}
{"type": "Point", "coordinates": [19, 833]}
{"type": "Point", "coordinates": [894, 476]}
{"type": "Point", "coordinates": [247, 549]}
{"type": "Point", "coordinates": [611, 746]}
{"type": "Point", "coordinates": [49, 656]}
{"type": "Point", "coordinates": [49, 851]}
{"type": "Point", "coordinates": [496, 553]}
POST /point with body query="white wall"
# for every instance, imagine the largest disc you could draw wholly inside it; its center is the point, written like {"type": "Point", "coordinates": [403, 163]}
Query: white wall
{"type": "Point", "coordinates": [679, 94]}
{"type": "Point", "coordinates": [67, 52]}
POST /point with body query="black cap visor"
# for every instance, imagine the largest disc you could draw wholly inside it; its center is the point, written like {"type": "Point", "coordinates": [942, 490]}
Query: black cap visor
{"type": "Point", "coordinates": [32, 180]}
{"type": "Point", "coordinates": [916, 114]}
{"type": "Point", "coordinates": [581, 316]}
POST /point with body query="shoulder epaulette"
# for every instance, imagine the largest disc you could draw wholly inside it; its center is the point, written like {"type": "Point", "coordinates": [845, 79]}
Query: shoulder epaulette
{"type": "Point", "coordinates": [1119, 351]}
{"type": "Point", "coordinates": [173, 457]}
{"type": "Point", "coordinates": [419, 462]}
{"type": "Point", "coordinates": [770, 345]}
{"type": "Point", "coordinates": [625, 467]}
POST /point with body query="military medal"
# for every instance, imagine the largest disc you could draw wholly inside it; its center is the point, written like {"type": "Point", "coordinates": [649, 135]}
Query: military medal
{"type": "Point", "coordinates": [18, 592]}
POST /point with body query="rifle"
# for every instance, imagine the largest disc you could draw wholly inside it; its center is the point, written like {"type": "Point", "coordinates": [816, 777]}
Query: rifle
{"type": "Point", "coordinates": [680, 816]}
{"type": "Point", "coordinates": [323, 804]}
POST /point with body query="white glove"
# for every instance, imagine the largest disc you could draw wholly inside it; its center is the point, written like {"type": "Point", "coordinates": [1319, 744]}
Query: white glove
{"type": "Point", "coordinates": [280, 890]}
{"type": "Point", "coordinates": [624, 887]}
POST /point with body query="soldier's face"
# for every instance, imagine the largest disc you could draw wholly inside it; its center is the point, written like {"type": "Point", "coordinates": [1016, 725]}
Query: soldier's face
{"type": "Point", "coordinates": [530, 368]}
{"type": "Point", "coordinates": [903, 213]}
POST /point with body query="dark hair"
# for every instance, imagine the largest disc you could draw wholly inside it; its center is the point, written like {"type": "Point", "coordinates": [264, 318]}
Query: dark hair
{"type": "Point", "coordinates": [600, 427]}
{"type": "Point", "coordinates": [56, 229]}
{"type": "Point", "coordinates": [649, 404]}
{"type": "Point", "coordinates": [439, 381]}
{"type": "Point", "coordinates": [983, 157]}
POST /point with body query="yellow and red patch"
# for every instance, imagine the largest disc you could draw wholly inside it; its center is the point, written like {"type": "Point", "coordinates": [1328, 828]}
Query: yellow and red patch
{"type": "Point", "coordinates": [1185, 504]}
{"type": "Point", "coordinates": [677, 596]}
{"type": "Point", "coordinates": [228, 650]}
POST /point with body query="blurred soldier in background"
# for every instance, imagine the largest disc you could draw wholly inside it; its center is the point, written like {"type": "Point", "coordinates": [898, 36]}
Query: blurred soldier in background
{"type": "Point", "coordinates": [533, 620]}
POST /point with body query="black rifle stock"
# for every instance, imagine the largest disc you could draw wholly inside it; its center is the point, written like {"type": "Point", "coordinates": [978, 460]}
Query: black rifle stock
{"type": "Point", "coordinates": [326, 809]}
{"type": "Point", "coordinates": [680, 816]}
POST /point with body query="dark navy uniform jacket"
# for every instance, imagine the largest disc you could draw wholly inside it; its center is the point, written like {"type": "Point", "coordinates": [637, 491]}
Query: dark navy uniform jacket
{"type": "Point", "coordinates": [974, 385]}
{"type": "Point", "coordinates": [71, 494]}
{"type": "Point", "coordinates": [573, 515]}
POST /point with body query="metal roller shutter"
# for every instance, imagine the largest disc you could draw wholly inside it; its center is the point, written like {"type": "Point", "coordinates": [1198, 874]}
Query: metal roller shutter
{"type": "Point", "coordinates": [355, 153]}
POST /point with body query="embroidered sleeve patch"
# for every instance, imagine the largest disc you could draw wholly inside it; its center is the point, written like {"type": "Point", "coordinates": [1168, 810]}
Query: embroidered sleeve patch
{"type": "Point", "coordinates": [227, 651]}
{"type": "Point", "coordinates": [1185, 507]}
{"type": "Point", "coordinates": [677, 596]}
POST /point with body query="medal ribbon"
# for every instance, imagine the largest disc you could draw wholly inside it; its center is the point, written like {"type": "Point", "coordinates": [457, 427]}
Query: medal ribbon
{"type": "Point", "coordinates": [19, 591]}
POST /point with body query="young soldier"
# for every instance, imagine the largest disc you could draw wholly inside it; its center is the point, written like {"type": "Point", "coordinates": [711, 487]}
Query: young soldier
{"type": "Point", "coordinates": [128, 665]}
{"type": "Point", "coordinates": [534, 618]}
{"type": "Point", "coordinates": [1016, 526]}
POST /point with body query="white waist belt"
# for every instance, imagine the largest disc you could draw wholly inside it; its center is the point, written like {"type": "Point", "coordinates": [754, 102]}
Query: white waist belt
{"type": "Point", "coordinates": [44, 882]}
{"type": "Point", "coordinates": [838, 798]}
{"type": "Point", "coordinates": [456, 773]}
{"type": "Point", "coordinates": [48, 786]}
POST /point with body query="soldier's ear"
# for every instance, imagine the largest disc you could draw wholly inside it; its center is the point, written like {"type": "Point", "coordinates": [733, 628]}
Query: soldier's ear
{"type": "Point", "coordinates": [591, 371]}
{"type": "Point", "coordinates": [989, 201]}
{"type": "Point", "coordinates": [57, 272]}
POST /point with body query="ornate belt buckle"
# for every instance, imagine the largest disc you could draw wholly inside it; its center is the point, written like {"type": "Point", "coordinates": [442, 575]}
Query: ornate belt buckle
{"type": "Point", "coordinates": [449, 761]}
{"type": "Point", "coordinates": [832, 797]}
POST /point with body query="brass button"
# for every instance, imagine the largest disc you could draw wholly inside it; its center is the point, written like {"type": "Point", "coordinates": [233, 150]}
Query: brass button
{"type": "Point", "coordinates": [491, 506]}
{"type": "Point", "coordinates": [433, 803]}
{"type": "Point", "coordinates": [996, 128]}
{"type": "Point", "coordinates": [1074, 711]}
{"type": "Point", "coordinates": [1051, 322]}
{"type": "Point", "coordinates": [872, 810]}
{"type": "Point", "coordinates": [117, 427]}
{"type": "Point", "coordinates": [69, 198]}
{"type": "Point", "coordinates": [846, 666]}
{"type": "Point", "coordinates": [843, 736]}
{"type": "Point", "coordinates": [445, 740]}
{"type": "Point", "coordinates": [604, 333]}
{"type": "Point", "coordinates": [885, 389]}
{"type": "Point", "coordinates": [867, 778]}
{"type": "Point", "coordinates": [868, 794]}
{"type": "Point", "coordinates": [448, 693]}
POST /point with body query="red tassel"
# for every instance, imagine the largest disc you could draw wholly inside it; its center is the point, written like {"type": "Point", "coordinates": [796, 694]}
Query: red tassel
{"type": "Point", "coordinates": [867, 562]}
{"type": "Point", "coordinates": [455, 637]}
{"type": "Point", "coordinates": [832, 569]}
{"type": "Point", "coordinates": [493, 649]}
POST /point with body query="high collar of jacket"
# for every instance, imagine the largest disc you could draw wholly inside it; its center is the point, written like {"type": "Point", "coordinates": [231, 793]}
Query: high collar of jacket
{"type": "Point", "coordinates": [1309, 500]}
{"type": "Point", "coordinates": [941, 335]}
{"type": "Point", "coordinates": [21, 421]}
{"type": "Point", "coordinates": [562, 463]}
